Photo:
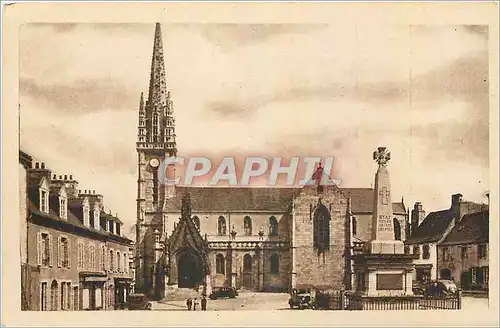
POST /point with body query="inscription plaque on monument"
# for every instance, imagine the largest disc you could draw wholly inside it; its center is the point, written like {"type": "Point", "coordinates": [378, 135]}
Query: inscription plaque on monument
{"type": "Point", "coordinates": [389, 281]}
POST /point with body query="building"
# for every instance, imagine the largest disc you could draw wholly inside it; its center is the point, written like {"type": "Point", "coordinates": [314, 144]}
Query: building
{"type": "Point", "coordinates": [463, 254]}
{"type": "Point", "coordinates": [427, 234]}
{"type": "Point", "coordinates": [258, 238]}
{"type": "Point", "coordinates": [73, 254]}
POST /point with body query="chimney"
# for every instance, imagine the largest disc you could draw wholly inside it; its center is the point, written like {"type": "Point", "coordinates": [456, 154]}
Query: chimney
{"type": "Point", "coordinates": [456, 199]}
{"type": "Point", "coordinates": [417, 216]}
{"type": "Point", "coordinates": [60, 177]}
{"type": "Point", "coordinates": [65, 177]}
{"type": "Point", "coordinates": [54, 177]}
{"type": "Point", "coordinates": [39, 171]}
{"type": "Point", "coordinates": [71, 177]}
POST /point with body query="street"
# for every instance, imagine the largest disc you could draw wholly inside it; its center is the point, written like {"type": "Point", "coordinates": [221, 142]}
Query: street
{"type": "Point", "coordinates": [277, 301]}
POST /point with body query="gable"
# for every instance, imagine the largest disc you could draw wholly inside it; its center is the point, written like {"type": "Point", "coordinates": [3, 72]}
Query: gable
{"type": "Point", "coordinates": [186, 235]}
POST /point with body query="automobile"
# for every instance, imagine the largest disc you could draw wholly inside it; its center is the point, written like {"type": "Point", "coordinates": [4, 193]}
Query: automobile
{"type": "Point", "coordinates": [438, 288]}
{"type": "Point", "coordinates": [223, 292]}
{"type": "Point", "coordinates": [300, 299]}
{"type": "Point", "coordinates": [138, 302]}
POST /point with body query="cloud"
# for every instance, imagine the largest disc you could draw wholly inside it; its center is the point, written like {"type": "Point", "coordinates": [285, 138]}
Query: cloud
{"type": "Point", "coordinates": [264, 89]}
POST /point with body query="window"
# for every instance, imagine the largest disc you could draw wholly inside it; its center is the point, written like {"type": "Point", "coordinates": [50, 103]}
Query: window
{"type": "Point", "coordinates": [64, 257]}
{"type": "Point", "coordinates": [482, 251]}
{"type": "Point", "coordinates": [445, 253]}
{"type": "Point", "coordinates": [407, 249]}
{"type": "Point", "coordinates": [354, 226]}
{"type": "Point", "coordinates": [196, 222]}
{"type": "Point", "coordinates": [54, 295]}
{"type": "Point", "coordinates": [118, 262]}
{"type": "Point", "coordinates": [111, 226]}
{"type": "Point", "coordinates": [63, 208]}
{"type": "Point", "coordinates": [103, 258]}
{"type": "Point", "coordinates": [321, 229]}
{"type": "Point", "coordinates": [463, 252]}
{"type": "Point", "coordinates": [221, 226]}
{"type": "Point", "coordinates": [397, 229]}
{"type": "Point", "coordinates": [275, 263]}
{"type": "Point", "coordinates": [111, 260]}
{"type": "Point", "coordinates": [44, 201]}
{"type": "Point", "coordinates": [247, 225]}
{"type": "Point", "coordinates": [220, 264]}
{"type": "Point", "coordinates": [76, 298]}
{"type": "Point", "coordinates": [416, 251]}
{"type": "Point", "coordinates": [273, 226]}
{"type": "Point", "coordinates": [92, 257]}
{"type": "Point", "coordinates": [118, 228]}
{"type": "Point", "coordinates": [473, 275]}
{"type": "Point", "coordinates": [86, 215]}
{"type": "Point", "coordinates": [426, 252]}
{"type": "Point", "coordinates": [125, 263]}
{"type": "Point", "coordinates": [63, 296]}
{"type": "Point", "coordinates": [81, 256]}
{"type": "Point", "coordinates": [486, 274]}
{"type": "Point", "coordinates": [45, 249]}
{"type": "Point", "coordinates": [247, 263]}
{"type": "Point", "coordinates": [43, 297]}
{"type": "Point", "coordinates": [155, 127]}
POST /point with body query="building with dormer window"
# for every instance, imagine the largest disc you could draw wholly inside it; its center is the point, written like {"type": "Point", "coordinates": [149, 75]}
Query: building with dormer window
{"type": "Point", "coordinates": [64, 241]}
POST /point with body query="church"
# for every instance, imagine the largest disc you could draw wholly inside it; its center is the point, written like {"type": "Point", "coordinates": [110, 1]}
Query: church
{"type": "Point", "coordinates": [253, 238]}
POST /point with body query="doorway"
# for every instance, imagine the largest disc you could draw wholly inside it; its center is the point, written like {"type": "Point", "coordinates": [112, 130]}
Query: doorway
{"type": "Point", "coordinates": [189, 270]}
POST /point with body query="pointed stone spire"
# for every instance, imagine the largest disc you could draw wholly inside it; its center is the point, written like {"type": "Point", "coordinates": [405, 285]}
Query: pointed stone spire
{"type": "Point", "coordinates": [186, 206]}
{"type": "Point", "coordinates": [157, 97]}
{"type": "Point", "coordinates": [142, 133]}
{"type": "Point", "coordinates": [141, 105]}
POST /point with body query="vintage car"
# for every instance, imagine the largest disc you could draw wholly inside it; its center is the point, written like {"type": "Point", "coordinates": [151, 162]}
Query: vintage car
{"type": "Point", "coordinates": [437, 288]}
{"type": "Point", "coordinates": [138, 302]}
{"type": "Point", "coordinates": [301, 299]}
{"type": "Point", "coordinates": [223, 292]}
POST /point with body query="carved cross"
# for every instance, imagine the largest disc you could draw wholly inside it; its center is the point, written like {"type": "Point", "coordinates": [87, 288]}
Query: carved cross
{"type": "Point", "coordinates": [384, 194]}
{"type": "Point", "coordinates": [381, 155]}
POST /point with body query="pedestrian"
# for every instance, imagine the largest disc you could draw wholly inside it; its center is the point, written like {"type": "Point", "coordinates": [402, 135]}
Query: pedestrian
{"type": "Point", "coordinates": [189, 303]}
{"type": "Point", "coordinates": [204, 303]}
{"type": "Point", "coordinates": [195, 303]}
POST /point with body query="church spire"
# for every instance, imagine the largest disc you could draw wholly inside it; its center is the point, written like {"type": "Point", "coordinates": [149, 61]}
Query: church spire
{"type": "Point", "coordinates": [159, 123]}
{"type": "Point", "coordinates": [157, 82]}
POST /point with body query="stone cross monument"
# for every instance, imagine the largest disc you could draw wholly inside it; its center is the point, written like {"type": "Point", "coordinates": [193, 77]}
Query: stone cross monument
{"type": "Point", "coordinates": [382, 220]}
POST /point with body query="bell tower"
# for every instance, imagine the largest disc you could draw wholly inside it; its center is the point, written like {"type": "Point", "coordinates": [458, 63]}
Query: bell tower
{"type": "Point", "coordinates": [156, 140]}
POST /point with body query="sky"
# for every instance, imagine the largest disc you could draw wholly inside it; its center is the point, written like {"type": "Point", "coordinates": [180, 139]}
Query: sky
{"type": "Point", "coordinates": [283, 90]}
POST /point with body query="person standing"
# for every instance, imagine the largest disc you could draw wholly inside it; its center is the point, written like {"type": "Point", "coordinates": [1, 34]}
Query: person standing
{"type": "Point", "coordinates": [204, 303]}
{"type": "Point", "coordinates": [195, 303]}
{"type": "Point", "coordinates": [189, 303]}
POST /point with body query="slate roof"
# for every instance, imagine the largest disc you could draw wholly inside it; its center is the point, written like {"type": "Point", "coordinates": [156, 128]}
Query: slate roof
{"type": "Point", "coordinates": [432, 228]}
{"type": "Point", "coordinates": [472, 229]}
{"type": "Point", "coordinates": [272, 199]}
{"type": "Point", "coordinates": [72, 220]}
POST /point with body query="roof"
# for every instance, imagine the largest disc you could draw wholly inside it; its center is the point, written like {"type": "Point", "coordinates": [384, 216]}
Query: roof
{"type": "Point", "coordinates": [72, 220]}
{"type": "Point", "coordinates": [432, 228]}
{"type": "Point", "coordinates": [472, 229]}
{"type": "Point", "coordinates": [223, 199]}
{"type": "Point", "coordinates": [270, 199]}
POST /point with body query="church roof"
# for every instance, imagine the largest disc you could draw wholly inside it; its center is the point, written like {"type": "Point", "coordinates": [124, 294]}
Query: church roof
{"type": "Point", "coordinates": [223, 199]}
{"type": "Point", "coordinates": [270, 199]}
{"type": "Point", "coordinates": [472, 229]}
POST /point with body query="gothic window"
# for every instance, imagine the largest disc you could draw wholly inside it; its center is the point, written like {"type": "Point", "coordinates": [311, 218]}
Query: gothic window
{"type": "Point", "coordinates": [221, 225]}
{"type": "Point", "coordinates": [321, 227]}
{"type": "Point", "coordinates": [354, 226]}
{"type": "Point", "coordinates": [397, 229]}
{"type": "Point", "coordinates": [275, 263]}
{"type": "Point", "coordinates": [247, 263]}
{"type": "Point", "coordinates": [196, 222]}
{"type": "Point", "coordinates": [273, 226]}
{"type": "Point", "coordinates": [155, 127]}
{"type": "Point", "coordinates": [220, 264]}
{"type": "Point", "coordinates": [247, 225]}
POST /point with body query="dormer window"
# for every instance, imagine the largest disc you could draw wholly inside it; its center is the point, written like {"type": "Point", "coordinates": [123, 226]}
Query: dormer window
{"type": "Point", "coordinates": [44, 196]}
{"type": "Point", "coordinates": [117, 228]}
{"type": "Point", "coordinates": [96, 219]}
{"type": "Point", "coordinates": [63, 212]}
{"type": "Point", "coordinates": [111, 226]}
{"type": "Point", "coordinates": [86, 215]}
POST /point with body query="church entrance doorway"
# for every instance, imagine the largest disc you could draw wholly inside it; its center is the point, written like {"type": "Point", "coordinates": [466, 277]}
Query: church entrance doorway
{"type": "Point", "coordinates": [189, 270]}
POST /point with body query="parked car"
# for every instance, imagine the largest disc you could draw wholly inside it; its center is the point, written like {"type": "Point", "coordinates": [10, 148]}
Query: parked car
{"type": "Point", "coordinates": [138, 302]}
{"type": "Point", "coordinates": [300, 299]}
{"type": "Point", "coordinates": [223, 292]}
{"type": "Point", "coordinates": [436, 288]}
